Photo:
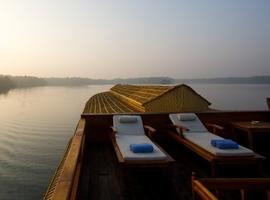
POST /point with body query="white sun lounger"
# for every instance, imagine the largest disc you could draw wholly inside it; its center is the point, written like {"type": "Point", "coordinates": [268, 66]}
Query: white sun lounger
{"type": "Point", "coordinates": [198, 134]}
{"type": "Point", "coordinates": [129, 129]}
{"type": "Point", "coordinates": [198, 139]}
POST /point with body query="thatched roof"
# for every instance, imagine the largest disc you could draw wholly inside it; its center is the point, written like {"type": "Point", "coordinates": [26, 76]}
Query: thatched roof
{"type": "Point", "coordinates": [106, 102]}
{"type": "Point", "coordinates": [129, 98]}
{"type": "Point", "coordinates": [144, 94]}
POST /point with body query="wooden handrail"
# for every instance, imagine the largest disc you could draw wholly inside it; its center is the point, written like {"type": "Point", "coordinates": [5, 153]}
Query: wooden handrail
{"type": "Point", "coordinates": [201, 190]}
{"type": "Point", "coordinates": [66, 186]}
{"type": "Point", "coordinates": [214, 128]}
{"type": "Point", "coordinates": [180, 129]}
{"type": "Point", "coordinates": [236, 183]}
{"type": "Point", "coordinates": [203, 186]}
{"type": "Point", "coordinates": [149, 128]}
{"type": "Point", "coordinates": [150, 131]}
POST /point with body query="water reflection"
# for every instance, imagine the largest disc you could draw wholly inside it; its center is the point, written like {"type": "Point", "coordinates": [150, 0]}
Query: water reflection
{"type": "Point", "coordinates": [36, 125]}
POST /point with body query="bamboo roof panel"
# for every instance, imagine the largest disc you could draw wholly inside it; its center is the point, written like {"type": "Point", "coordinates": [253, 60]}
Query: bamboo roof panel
{"type": "Point", "coordinates": [135, 98]}
{"type": "Point", "coordinates": [106, 102]}
{"type": "Point", "coordinates": [147, 93]}
{"type": "Point", "coordinates": [141, 94]}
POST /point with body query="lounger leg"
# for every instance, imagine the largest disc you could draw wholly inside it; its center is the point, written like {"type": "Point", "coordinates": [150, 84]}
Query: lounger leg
{"type": "Point", "coordinates": [260, 168]}
{"type": "Point", "coordinates": [268, 194]}
{"type": "Point", "coordinates": [250, 140]}
{"type": "Point", "coordinates": [213, 169]}
{"type": "Point", "coordinates": [244, 194]}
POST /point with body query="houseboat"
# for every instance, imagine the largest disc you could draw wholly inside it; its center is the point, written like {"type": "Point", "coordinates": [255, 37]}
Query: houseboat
{"type": "Point", "coordinates": [93, 168]}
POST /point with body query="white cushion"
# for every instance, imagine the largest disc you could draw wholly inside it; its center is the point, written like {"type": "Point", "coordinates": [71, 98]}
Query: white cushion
{"type": "Point", "coordinates": [186, 117]}
{"type": "Point", "coordinates": [194, 125]}
{"type": "Point", "coordinates": [203, 139]}
{"type": "Point", "coordinates": [132, 124]}
{"type": "Point", "coordinates": [123, 142]}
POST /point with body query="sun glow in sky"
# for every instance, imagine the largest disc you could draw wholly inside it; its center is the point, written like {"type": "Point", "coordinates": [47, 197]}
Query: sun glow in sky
{"type": "Point", "coordinates": [127, 38]}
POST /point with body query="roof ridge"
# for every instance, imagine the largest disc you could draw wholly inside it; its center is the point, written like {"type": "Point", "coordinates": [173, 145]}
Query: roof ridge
{"type": "Point", "coordinates": [139, 89]}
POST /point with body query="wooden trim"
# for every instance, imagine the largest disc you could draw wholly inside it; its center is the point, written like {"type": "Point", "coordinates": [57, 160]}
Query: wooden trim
{"type": "Point", "coordinates": [203, 186]}
{"type": "Point", "coordinates": [180, 129]}
{"type": "Point", "coordinates": [149, 128]}
{"type": "Point", "coordinates": [116, 148]}
{"type": "Point", "coordinates": [214, 115]}
{"type": "Point", "coordinates": [65, 186]}
{"type": "Point", "coordinates": [51, 187]}
{"type": "Point", "coordinates": [195, 148]}
{"type": "Point", "coordinates": [236, 183]}
{"type": "Point", "coordinates": [214, 128]}
{"type": "Point", "coordinates": [150, 131]}
{"type": "Point", "coordinates": [78, 170]}
{"type": "Point", "coordinates": [113, 129]}
{"type": "Point", "coordinates": [201, 190]}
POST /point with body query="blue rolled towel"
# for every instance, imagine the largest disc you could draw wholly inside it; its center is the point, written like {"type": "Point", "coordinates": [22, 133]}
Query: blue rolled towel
{"type": "Point", "coordinates": [141, 148]}
{"type": "Point", "coordinates": [213, 143]}
{"type": "Point", "coordinates": [224, 144]}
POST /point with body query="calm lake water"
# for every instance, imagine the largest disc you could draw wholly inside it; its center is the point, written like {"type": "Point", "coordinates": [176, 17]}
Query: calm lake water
{"type": "Point", "coordinates": [36, 124]}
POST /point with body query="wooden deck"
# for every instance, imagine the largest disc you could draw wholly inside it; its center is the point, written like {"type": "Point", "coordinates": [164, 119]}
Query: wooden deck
{"type": "Point", "coordinates": [90, 169]}
{"type": "Point", "coordinates": [104, 178]}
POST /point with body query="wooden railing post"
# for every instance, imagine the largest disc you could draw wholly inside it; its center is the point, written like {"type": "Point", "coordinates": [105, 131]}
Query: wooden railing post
{"type": "Point", "coordinates": [268, 194]}
{"type": "Point", "coordinates": [244, 194]}
{"type": "Point", "coordinates": [193, 178]}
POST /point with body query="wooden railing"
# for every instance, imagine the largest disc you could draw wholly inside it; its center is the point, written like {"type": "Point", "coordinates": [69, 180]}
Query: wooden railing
{"type": "Point", "coordinates": [202, 188]}
{"type": "Point", "coordinates": [65, 184]}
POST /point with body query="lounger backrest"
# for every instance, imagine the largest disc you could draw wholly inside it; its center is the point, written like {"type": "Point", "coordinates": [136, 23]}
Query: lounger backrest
{"type": "Point", "coordinates": [128, 124]}
{"type": "Point", "coordinates": [188, 120]}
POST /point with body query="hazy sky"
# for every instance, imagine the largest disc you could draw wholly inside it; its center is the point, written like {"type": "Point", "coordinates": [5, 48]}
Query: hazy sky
{"type": "Point", "coordinates": [134, 38]}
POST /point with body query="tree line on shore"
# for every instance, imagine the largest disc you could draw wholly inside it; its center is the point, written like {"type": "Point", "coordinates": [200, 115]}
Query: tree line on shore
{"type": "Point", "coordinates": [5, 84]}
{"type": "Point", "coordinates": [11, 82]}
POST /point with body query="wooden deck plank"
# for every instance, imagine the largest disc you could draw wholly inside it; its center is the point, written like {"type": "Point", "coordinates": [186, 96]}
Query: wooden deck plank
{"type": "Point", "coordinates": [105, 178]}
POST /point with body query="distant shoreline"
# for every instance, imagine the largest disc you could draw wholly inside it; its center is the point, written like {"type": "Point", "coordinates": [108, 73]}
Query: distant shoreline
{"type": "Point", "coordinates": [11, 82]}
